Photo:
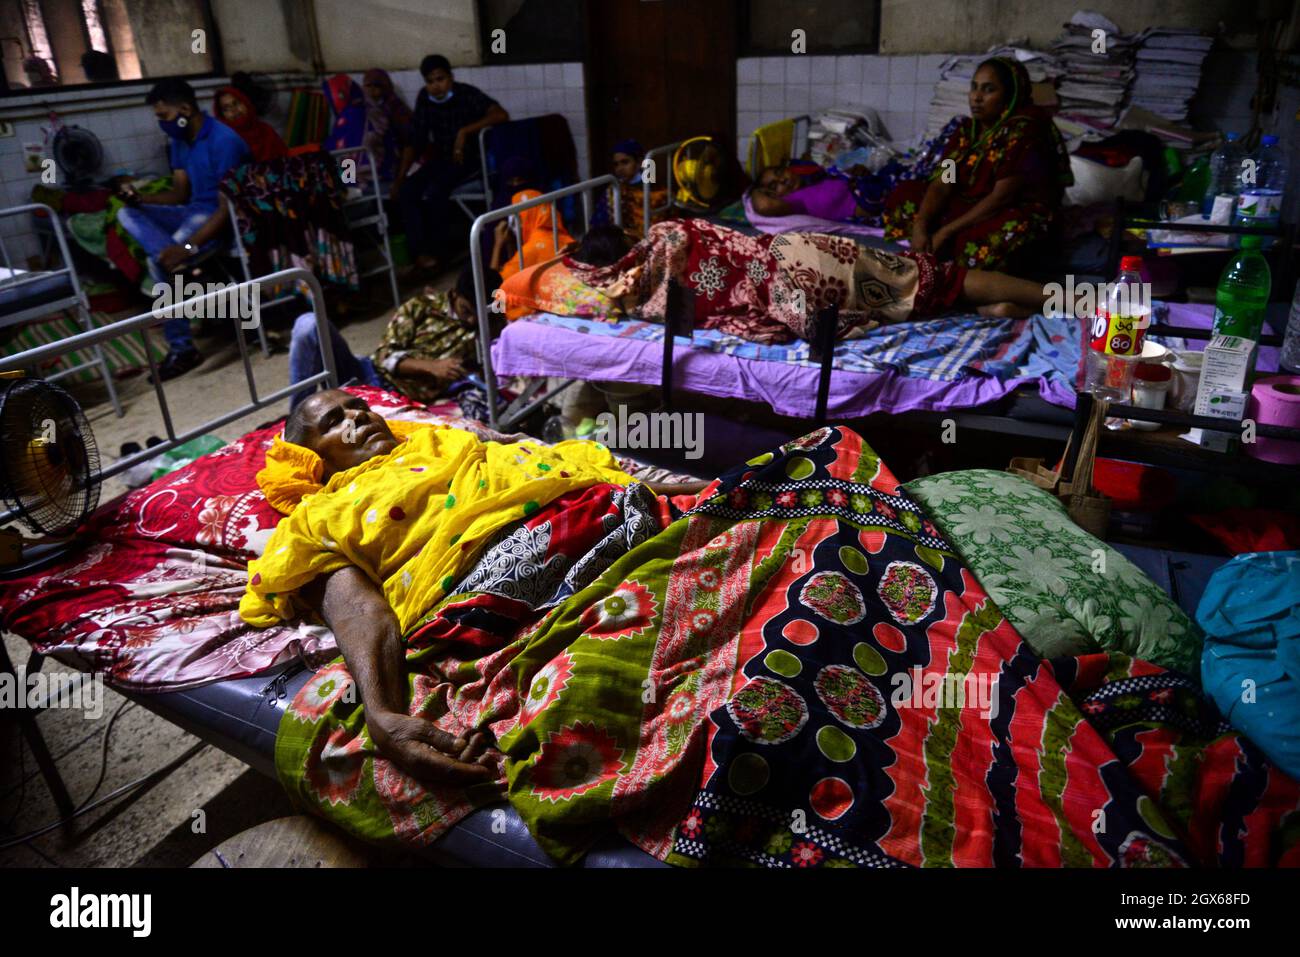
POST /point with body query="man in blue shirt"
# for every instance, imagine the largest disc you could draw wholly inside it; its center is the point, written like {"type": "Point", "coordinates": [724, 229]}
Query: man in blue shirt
{"type": "Point", "coordinates": [187, 219]}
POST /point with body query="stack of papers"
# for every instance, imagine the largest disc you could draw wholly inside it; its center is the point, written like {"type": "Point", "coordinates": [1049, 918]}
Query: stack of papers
{"type": "Point", "coordinates": [1099, 69]}
{"type": "Point", "coordinates": [952, 93]}
{"type": "Point", "coordinates": [1169, 70]}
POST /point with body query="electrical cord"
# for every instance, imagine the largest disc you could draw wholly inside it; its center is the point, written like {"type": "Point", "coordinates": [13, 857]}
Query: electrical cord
{"type": "Point", "coordinates": [87, 805]}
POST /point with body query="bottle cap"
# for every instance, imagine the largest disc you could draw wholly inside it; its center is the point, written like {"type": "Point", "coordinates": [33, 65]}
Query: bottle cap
{"type": "Point", "coordinates": [1130, 264]}
{"type": "Point", "coordinates": [1269, 140]}
{"type": "Point", "coordinates": [1232, 137]}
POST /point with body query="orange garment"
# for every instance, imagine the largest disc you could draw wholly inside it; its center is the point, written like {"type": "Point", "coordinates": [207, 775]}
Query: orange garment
{"type": "Point", "coordinates": [535, 226]}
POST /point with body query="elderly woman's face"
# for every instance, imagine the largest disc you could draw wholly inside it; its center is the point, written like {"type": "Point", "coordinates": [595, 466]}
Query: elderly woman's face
{"type": "Point", "coordinates": [778, 181]}
{"type": "Point", "coordinates": [342, 430]}
{"type": "Point", "coordinates": [988, 96]}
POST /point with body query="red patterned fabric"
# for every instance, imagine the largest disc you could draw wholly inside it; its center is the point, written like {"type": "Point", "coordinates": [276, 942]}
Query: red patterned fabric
{"type": "Point", "coordinates": [153, 601]}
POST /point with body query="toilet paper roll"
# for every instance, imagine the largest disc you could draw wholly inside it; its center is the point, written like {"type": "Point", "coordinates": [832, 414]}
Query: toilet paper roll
{"type": "Point", "coordinates": [1275, 401]}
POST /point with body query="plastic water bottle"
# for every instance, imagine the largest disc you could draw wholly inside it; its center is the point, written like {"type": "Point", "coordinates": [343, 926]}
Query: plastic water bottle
{"type": "Point", "coordinates": [1117, 334]}
{"type": "Point", "coordinates": [1259, 203]}
{"type": "Point", "coordinates": [1242, 295]}
{"type": "Point", "coordinates": [1290, 360]}
{"type": "Point", "coordinates": [1225, 166]}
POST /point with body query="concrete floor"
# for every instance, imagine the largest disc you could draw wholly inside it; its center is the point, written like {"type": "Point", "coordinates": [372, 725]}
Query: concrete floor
{"type": "Point", "coordinates": [156, 825]}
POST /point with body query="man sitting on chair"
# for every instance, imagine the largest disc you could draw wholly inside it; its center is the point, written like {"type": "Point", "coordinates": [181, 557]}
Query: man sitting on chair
{"type": "Point", "coordinates": [177, 223]}
{"type": "Point", "coordinates": [444, 133]}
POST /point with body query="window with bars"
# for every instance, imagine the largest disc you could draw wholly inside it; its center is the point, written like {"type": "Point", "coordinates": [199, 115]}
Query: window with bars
{"type": "Point", "coordinates": [78, 43]}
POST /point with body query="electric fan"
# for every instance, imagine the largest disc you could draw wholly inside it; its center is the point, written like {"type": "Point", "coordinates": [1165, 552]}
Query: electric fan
{"type": "Point", "coordinates": [700, 170]}
{"type": "Point", "coordinates": [49, 470]}
{"type": "Point", "coordinates": [78, 154]}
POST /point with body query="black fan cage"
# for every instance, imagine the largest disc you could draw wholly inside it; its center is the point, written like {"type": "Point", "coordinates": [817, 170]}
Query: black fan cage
{"type": "Point", "coordinates": [49, 469]}
{"type": "Point", "coordinates": [78, 152]}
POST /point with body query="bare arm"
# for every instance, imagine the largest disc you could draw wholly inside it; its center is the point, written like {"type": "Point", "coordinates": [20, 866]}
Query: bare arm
{"type": "Point", "coordinates": [368, 635]}
{"type": "Point", "coordinates": [767, 203]}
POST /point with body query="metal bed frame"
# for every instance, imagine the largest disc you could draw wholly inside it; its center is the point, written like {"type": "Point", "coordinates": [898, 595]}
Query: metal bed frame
{"type": "Point", "coordinates": [503, 420]}
{"type": "Point", "coordinates": [649, 211]}
{"type": "Point", "coordinates": [795, 152]}
{"type": "Point", "coordinates": [75, 301]}
{"type": "Point", "coordinates": [94, 338]}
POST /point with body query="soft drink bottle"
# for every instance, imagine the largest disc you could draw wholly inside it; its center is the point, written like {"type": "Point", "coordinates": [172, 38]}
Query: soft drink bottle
{"type": "Point", "coordinates": [1242, 295]}
{"type": "Point", "coordinates": [1118, 332]}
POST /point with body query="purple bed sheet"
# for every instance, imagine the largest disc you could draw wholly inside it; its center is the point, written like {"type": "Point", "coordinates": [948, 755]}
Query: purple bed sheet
{"type": "Point", "coordinates": [528, 348]}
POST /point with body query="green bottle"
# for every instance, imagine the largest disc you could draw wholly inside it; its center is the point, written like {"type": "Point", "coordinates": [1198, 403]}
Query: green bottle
{"type": "Point", "coordinates": [1243, 293]}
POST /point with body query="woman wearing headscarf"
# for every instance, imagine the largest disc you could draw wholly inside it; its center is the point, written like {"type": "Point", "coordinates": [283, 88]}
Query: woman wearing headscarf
{"type": "Point", "coordinates": [388, 122]}
{"type": "Point", "coordinates": [1002, 189]}
{"type": "Point", "coordinates": [535, 227]}
{"type": "Point", "coordinates": [236, 110]}
{"type": "Point", "coordinates": [348, 104]}
{"type": "Point", "coordinates": [625, 163]}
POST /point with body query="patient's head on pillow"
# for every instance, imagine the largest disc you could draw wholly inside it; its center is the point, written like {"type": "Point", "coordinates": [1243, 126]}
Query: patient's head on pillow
{"type": "Point", "coordinates": [777, 180]}
{"type": "Point", "coordinates": [464, 299]}
{"type": "Point", "coordinates": [602, 246]}
{"type": "Point", "coordinates": [340, 428]}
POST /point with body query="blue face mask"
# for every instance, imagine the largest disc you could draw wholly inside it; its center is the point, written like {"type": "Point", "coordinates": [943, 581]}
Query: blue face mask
{"type": "Point", "coordinates": [176, 128]}
{"type": "Point", "coordinates": [442, 99]}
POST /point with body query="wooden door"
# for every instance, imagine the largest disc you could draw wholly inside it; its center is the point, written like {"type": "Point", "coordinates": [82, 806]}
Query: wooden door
{"type": "Point", "coordinates": [659, 71]}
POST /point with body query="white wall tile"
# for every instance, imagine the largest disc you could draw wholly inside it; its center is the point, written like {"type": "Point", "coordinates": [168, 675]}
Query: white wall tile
{"type": "Point", "coordinates": [875, 70]}
{"type": "Point", "coordinates": [822, 70]}
{"type": "Point", "coordinates": [771, 98]}
{"type": "Point", "coordinates": [748, 97]}
{"type": "Point", "coordinates": [798, 69]}
{"type": "Point", "coordinates": [772, 69]}
{"type": "Point", "coordinates": [749, 70]}
{"type": "Point", "coordinates": [554, 74]}
{"type": "Point", "coordinates": [573, 75]}
{"type": "Point", "coordinates": [927, 67]}
{"type": "Point", "coordinates": [902, 70]}
{"type": "Point", "coordinates": [848, 94]}
{"type": "Point", "coordinates": [747, 121]}
{"type": "Point", "coordinates": [796, 100]}
{"type": "Point", "coordinates": [534, 76]}
{"type": "Point", "coordinates": [848, 70]}
{"type": "Point", "coordinates": [575, 99]}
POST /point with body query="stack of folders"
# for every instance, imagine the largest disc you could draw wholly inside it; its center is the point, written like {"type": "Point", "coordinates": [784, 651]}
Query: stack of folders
{"type": "Point", "coordinates": [1169, 70]}
{"type": "Point", "coordinates": [1098, 65]}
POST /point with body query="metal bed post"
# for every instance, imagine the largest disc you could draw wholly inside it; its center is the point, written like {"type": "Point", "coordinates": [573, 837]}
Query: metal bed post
{"type": "Point", "coordinates": [647, 212]}
{"type": "Point", "coordinates": [481, 305]}
{"type": "Point", "coordinates": [143, 321]}
{"type": "Point", "coordinates": [823, 350]}
{"type": "Point", "coordinates": [78, 301]}
{"type": "Point", "coordinates": [242, 253]}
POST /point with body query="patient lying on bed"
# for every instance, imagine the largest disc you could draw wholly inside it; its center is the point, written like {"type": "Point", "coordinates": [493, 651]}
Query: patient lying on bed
{"type": "Point", "coordinates": [382, 519]}
{"type": "Point", "coordinates": [769, 288]}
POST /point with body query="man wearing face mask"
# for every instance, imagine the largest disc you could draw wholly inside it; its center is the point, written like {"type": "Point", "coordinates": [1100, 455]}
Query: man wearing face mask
{"type": "Point", "coordinates": [174, 225]}
{"type": "Point", "coordinates": [444, 135]}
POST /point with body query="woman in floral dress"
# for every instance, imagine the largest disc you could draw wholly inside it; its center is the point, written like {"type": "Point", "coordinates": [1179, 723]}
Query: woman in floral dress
{"type": "Point", "coordinates": [999, 196]}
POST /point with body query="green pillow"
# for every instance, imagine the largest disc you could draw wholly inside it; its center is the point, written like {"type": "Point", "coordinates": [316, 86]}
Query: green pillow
{"type": "Point", "coordinates": [1066, 592]}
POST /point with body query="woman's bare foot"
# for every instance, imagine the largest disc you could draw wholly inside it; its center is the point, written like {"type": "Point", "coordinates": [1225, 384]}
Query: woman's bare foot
{"type": "Point", "coordinates": [1006, 310]}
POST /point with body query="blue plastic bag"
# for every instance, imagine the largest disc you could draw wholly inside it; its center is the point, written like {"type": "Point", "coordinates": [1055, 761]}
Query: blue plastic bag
{"type": "Point", "coordinates": [1250, 613]}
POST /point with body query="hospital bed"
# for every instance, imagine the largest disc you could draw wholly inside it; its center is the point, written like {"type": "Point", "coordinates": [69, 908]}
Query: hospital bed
{"type": "Point", "coordinates": [27, 296]}
{"type": "Point", "coordinates": [241, 715]}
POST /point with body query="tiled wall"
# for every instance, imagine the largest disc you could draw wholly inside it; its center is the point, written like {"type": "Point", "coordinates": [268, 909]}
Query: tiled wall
{"type": "Point", "coordinates": [896, 87]}
{"type": "Point", "coordinates": [132, 142]}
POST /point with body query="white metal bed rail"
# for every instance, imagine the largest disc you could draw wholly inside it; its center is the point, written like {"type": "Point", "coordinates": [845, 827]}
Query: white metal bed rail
{"type": "Point", "coordinates": [647, 213]}
{"type": "Point", "coordinates": [586, 188]}
{"type": "Point", "coordinates": [139, 324]}
{"type": "Point", "coordinates": [76, 300]}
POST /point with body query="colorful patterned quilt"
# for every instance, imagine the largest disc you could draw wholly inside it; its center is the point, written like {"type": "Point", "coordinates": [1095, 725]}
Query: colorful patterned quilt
{"type": "Point", "coordinates": [797, 671]}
